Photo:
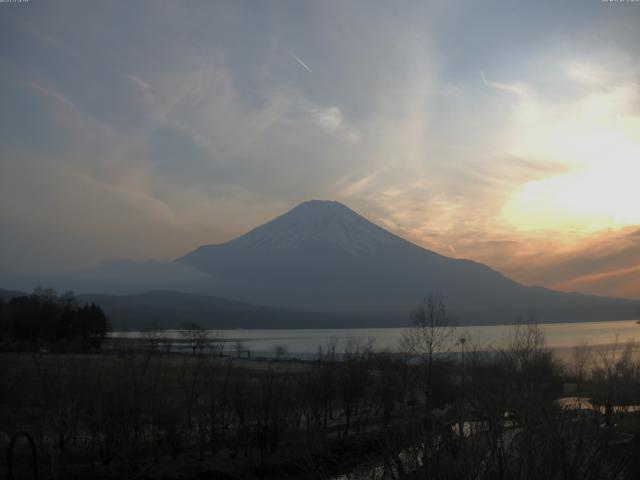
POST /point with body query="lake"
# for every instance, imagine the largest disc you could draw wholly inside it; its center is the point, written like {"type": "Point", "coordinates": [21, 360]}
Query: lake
{"type": "Point", "coordinates": [305, 342]}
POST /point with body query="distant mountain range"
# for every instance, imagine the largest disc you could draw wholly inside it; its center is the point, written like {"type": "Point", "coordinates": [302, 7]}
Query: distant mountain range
{"type": "Point", "coordinates": [322, 264]}
{"type": "Point", "coordinates": [168, 309]}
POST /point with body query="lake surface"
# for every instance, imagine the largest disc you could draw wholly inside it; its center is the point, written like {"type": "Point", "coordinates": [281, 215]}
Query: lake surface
{"type": "Point", "coordinates": [305, 342]}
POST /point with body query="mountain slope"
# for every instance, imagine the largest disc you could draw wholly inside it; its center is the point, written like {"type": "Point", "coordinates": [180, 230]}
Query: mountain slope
{"type": "Point", "coordinates": [323, 255]}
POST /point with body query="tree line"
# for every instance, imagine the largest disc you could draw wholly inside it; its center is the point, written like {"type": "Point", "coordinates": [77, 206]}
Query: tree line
{"type": "Point", "coordinates": [45, 320]}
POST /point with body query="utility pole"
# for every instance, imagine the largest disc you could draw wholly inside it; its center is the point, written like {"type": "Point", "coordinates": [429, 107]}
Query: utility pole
{"type": "Point", "coordinates": [462, 342]}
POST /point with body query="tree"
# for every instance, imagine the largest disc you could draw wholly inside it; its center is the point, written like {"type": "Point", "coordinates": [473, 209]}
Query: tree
{"type": "Point", "coordinates": [68, 300]}
{"type": "Point", "coordinates": [45, 321]}
{"type": "Point", "coordinates": [532, 361]}
{"type": "Point", "coordinates": [354, 376]}
{"type": "Point", "coordinates": [279, 351]}
{"type": "Point", "coordinates": [432, 332]}
{"type": "Point", "coordinates": [580, 363]}
{"type": "Point", "coordinates": [45, 294]}
{"type": "Point", "coordinates": [153, 337]}
{"type": "Point", "coordinates": [216, 343]}
{"type": "Point", "coordinates": [615, 378]}
{"type": "Point", "coordinates": [239, 347]}
{"type": "Point", "coordinates": [196, 337]}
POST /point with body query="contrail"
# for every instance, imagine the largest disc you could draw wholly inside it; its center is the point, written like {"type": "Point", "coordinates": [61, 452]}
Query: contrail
{"type": "Point", "coordinates": [302, 63]}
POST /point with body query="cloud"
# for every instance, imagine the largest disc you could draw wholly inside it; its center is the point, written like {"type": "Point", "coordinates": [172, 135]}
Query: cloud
{"type": "Point", "coordinates": [329, 118]}
{"type": "Point", "coordinates": [595, 135]}
{"type": "Point", "coordinates": [609, 264]}
{"type": "Point", "coordinates": [195, 121]}
{"type": "Point", "coordinates": [514, 89]}
{"type": "Point", "coordinates": [142, 85]}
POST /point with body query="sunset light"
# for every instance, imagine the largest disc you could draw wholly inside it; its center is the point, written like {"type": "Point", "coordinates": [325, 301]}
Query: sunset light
{"type": "Point", "coordinates": [320, 239]}
{"type": "Point", "coordinates": [594, 141]}
{"type": "Point", "coordinates": [603, 194]}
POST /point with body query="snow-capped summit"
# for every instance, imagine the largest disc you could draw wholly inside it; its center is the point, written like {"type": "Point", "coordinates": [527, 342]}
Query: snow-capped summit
{"type": "Point", "coordinates": [315, 222]}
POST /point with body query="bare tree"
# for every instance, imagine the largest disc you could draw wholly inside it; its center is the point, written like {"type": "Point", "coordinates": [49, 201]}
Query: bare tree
{"type": "Point", "coordinates": [353, 379]}
{"type": "Point", "coordinates": [152, 337]}
{"type": "Point", "coordinates": [239, 347]}
{"type": "Point", "coordinates": [196, 337]}
{"type": "Point", "coordinates": [216, 343]}
{"type": "Point", "coordinates": [580, 363]}
{"type": "Point", "coordinates": [280, 351]}
{"type": "Point", "coordinates": [528, 342]}
{"type": "Point", "coordinates": [532, 370]}
{"type": "Point", "coordinates": [432, 332]}
{"type": "Point", "coordinates": [614, 378]}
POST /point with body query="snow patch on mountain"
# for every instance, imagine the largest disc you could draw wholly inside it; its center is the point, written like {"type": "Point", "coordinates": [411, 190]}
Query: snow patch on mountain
{"type": "Point", "coordinates": [318, 222]}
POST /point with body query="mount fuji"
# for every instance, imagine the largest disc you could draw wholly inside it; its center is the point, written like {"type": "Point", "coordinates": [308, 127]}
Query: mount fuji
{"type": "Point", "coordinates": [321, 255]}
{"type": "Point", "coordinates": [321, 264]}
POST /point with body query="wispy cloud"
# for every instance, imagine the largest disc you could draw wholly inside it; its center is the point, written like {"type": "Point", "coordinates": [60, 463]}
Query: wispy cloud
{"type": "Point", "coordinates": [515, 89]}
{"type": "Point", "coordinates": [196, 127]}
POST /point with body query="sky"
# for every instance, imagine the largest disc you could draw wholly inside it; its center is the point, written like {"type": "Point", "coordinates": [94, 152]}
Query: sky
{"type": "Point", "coordinates": [505, 132]}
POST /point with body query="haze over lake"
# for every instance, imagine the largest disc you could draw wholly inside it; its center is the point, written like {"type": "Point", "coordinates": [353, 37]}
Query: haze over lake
{"type": "Point", "coordinates": [305, 342]}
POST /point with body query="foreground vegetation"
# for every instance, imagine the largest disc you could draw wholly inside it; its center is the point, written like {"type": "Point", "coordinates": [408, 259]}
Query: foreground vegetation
{"type": "Point", "coordinates": [147, 413]}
